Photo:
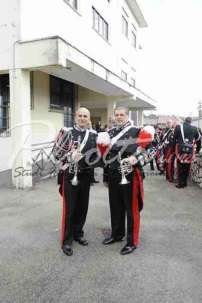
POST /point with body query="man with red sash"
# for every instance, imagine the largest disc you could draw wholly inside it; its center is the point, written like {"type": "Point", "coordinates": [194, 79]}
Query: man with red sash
{"type": "Point", "coordinates": [73, 148]}
{"type": "Point", "coordinates": [186, 139]}
{"type": "Point", "coordinates": [124, 198]}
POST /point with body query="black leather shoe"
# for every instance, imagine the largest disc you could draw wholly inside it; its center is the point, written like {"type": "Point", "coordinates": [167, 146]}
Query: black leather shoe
{"type": "Point", "coordinates": [95, 181]}
{"type": "Point", "coordinates": [127, 249]}
{"type": "Point", "coordinates": [82, 241]}
{"type": "Point", "coordinates": [67, 250]}
{"type": "Point", "coordinates": [179, 186]}
{"type": "Point", "coordinates": [111, 240]}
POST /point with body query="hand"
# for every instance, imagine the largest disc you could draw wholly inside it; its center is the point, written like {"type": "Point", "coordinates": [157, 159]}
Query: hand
{"type": "Point", "coordinates": [76, 156]}
{"type": "Point", "coordinates": [132, 160]}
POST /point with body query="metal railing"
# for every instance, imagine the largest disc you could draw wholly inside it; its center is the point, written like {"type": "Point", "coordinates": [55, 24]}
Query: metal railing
{"type": "Point", "coordinates": [43, 162]}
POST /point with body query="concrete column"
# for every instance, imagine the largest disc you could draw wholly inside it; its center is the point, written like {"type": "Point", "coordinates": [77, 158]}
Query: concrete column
{"type": "Point", "coordinates": [140, 117]}
{"type": "Point", "coordinates": [110, 110]}
{"type": "Point", "coordinates": [20, 128]}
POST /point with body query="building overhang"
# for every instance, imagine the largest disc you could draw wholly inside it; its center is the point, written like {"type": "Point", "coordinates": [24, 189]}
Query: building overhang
{"type": "Point", "coordinates": [135, 8]}
{"type": "Point", "coordinates": [139, 102]}
{"type": "Point", "coordinates": [57, 57]}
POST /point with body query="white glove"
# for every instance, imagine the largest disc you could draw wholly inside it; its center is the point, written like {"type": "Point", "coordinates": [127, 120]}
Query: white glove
{"type": "Point", "coordinates": [132, 160]}
{"type": "Point", "coordinates": [76, 156]}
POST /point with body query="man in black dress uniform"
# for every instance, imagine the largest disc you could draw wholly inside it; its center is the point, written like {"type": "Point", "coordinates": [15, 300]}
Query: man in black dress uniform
{"type": "Point", "coordinates": [124, 199]}
{"type": "Point", "coordinates": [72, 147]}
{"type": "Point", "coordinates": [186, 140]}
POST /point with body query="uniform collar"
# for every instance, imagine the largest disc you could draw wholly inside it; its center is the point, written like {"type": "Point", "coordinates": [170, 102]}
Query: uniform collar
{"type": "Point", "coordinates": [121, 127]}
{"type": "Point", "coordinates": [79, 128]}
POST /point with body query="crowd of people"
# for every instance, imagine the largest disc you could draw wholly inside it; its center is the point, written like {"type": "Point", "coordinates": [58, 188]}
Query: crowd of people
{"type": "Point", "coordinates": [176, 146]}
{"type": "Point", "coordinates": [122, 151]}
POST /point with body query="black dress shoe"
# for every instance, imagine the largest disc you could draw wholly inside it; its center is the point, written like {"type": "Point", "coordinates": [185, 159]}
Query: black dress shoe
{"type": "Point", "coordinates": [67, 250]}
{"type": "Point", "coordinates": [111, 240]}
{"type": "Point", "coordinates": [127, 249]}
{"type": "Point", "coordinates": [95, 181]}
{"type": "Point", "coordinates": [82, 241]}
{"type": "Point", "coordinates": [179, 186]}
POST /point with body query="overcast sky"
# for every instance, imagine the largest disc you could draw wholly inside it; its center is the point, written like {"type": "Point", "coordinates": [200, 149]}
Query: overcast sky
{"type": "Point", "coordinates": [171, 66]}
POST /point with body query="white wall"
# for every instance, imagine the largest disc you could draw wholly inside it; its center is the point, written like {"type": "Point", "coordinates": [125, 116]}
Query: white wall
{"type": "Point", "coordinates": [5, 153]}
{"type": "Point", "coordinates": [87, 98]}
{"type": "Point", "coordinates": [197, 123]}
{"type": "Point", "coordinates": [9, 31]}
{"type": "Point", "coordinates": [56, 17]}
{"type": "Point", "coordinates": [45, 124]}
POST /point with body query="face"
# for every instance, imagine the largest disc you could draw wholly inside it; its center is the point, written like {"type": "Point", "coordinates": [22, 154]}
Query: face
{"type": "Point", "coordinates": [82, 118]}
{"type": "Point", "coordinates": [169, 123]}
{"type": "Point", "coordinates": [120, 117]}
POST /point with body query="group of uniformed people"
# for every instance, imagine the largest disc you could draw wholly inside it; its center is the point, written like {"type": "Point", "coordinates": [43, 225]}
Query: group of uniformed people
{"type": "Point", "coordinates": [176, 144]}
{"type": "Point", "coordinates": [122, 154]}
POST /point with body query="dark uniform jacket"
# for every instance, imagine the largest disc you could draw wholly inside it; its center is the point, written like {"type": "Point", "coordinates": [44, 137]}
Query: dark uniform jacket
{"type": "Point", "coordinates": [126, 144]}
{"type": "Point", "coordinates": [73, 136]}
{"type": "Point", "coordinates": [191, 135]}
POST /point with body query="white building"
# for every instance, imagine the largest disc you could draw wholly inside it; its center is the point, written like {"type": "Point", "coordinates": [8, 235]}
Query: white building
{"type": "Point", "coordinates": [198, 120]}
{"type": "Point", "coordinates": [56, 53]}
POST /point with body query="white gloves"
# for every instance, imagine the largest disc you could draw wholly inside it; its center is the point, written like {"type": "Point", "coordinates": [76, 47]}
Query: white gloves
{"type": "Point", "coordinates": [132, 160]}
{"type": "Point", "coordinates": [76, 156]}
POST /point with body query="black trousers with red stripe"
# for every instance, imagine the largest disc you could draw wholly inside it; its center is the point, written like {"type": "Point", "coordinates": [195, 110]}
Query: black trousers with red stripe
{"type": "Point", "coordinates": [121, 199]}
{"type": "Point", "coordinates": [183, 170]}
{"type": "Point", "coordinates": [169, 164]}
{"type": "Point", "coordinates": [75, 207]}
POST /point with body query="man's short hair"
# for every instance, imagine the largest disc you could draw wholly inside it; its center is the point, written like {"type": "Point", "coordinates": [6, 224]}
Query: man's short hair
{"type": "Point", "coordinates": [188, 120]}
{"type": "Point", "coordinates": [83, 109]}
{"type": "Point", "coordinates": [122, 108]}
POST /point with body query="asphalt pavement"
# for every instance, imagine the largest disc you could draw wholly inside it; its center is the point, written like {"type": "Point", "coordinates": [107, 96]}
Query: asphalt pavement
{"type": "Point", "coordinates": [166, 267]}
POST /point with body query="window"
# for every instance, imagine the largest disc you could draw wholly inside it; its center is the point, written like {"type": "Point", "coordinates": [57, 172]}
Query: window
{"type": "Point", "coordinates": [124, 26]}
{"type": "Point", "coordinates": [73, 3]}
{"type": "Point", "coordinates": [100, 25]}
{"type": "Point", "coordinates": [61, 93]}
{"type": "Point", "coordinates": [4, 102]}
{"type": "Point", "coordinates": [133, 82]}
{"type": "Point", "coordinates": [134, 39]}
{"type": "Point", "coordinates": [124, 75]}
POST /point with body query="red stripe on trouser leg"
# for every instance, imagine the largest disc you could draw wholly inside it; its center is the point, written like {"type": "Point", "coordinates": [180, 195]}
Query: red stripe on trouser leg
{"type": "Point", "coordinates": [169, 166]}
{"type": "Point", "coordinates": [64, 214]}
{"type": "Point", "coordinates": [177, 171]}
{"type": "Point", "coordinates": [135, 208]}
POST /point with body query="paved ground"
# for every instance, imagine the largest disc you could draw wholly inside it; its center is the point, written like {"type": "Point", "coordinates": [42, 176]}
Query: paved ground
{"type": "Point", "coordinates": [166, 268]}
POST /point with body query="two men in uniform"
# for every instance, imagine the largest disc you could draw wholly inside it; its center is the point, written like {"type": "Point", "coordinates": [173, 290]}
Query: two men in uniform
{"type": "Point", "coordinates": [125, 200]}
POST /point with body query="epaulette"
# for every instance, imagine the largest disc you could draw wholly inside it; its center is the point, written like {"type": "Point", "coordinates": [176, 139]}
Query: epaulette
{"type": "Point", "coordinates": [93, 131]}
{"type": "Point", "coordinates": [67, 129]}
{"type": "Point", "coordinates": [111, 129]}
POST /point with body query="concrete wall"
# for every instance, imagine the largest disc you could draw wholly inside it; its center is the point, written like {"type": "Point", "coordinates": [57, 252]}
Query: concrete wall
{"type": "Point", "coordinates": [9, 31]}
{"type": "Point", "coordinates": [56, 17]}
{"type": "Point", "coordinates": [5, 153]}
{"type": "Point", "coordinates": [45, 124]}
{"type": "Point", "coordinates": [197, 123]}
{"type": "Point", "coordinates": [96, 103]}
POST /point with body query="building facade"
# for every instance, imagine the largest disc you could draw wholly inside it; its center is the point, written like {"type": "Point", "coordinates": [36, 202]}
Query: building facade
{"type": "Point", "coordinates": [63, 53]}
